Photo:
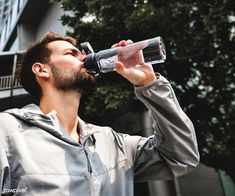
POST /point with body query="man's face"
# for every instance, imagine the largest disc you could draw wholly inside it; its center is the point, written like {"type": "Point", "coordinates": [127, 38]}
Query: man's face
{"type": "Point", "coordinates": [67, 67]}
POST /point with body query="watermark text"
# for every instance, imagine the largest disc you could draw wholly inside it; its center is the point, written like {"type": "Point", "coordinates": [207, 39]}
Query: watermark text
{"type": "Point", "coordinates": [17, 190]}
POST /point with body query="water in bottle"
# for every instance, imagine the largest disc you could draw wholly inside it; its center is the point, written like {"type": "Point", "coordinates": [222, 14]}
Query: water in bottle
{"type": "Point", "coordinates": [153, 51]}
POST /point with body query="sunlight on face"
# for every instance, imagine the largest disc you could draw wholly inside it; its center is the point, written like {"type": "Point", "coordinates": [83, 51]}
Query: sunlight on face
{"type": "Point", "coordinates": [67, 67]}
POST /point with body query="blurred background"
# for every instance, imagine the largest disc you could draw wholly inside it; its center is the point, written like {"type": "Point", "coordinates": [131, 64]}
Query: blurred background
{"type": "Point", "coordinates": [200, 43]}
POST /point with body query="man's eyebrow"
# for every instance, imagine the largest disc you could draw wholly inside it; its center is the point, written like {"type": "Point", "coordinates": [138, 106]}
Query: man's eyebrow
{"type": "Point", "coordinates": [73, 50]}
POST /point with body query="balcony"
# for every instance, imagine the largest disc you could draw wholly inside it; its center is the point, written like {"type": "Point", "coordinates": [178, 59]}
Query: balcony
{"type": "Point", "coordinates": [12, 93]}
{"type": "Point", "coordinates": [8, 82]}
{"type": "Point", "coordinates": [9, 87]}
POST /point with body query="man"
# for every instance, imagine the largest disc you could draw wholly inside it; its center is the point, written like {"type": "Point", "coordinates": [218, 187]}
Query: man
{"type": "Point", "coordinates": [48, 150]}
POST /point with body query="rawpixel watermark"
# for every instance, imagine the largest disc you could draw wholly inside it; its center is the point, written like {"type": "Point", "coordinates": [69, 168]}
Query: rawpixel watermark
{"type": "Point", "coordinates": [14, 191]}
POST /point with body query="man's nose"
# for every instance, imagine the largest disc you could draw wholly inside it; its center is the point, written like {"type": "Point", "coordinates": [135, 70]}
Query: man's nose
{"type": "Point", "coordinates": [82, 57]}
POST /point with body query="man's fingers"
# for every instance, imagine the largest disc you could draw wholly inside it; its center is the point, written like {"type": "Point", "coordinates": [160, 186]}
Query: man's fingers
{"type": "Point", "coordinates": [120, 67]}
{"type": "Point", "coordinates": [122, 70]}
{"type": "Point", "coordinates": [122, 43]}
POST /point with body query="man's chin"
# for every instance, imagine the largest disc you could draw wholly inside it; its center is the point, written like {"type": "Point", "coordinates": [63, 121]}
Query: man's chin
{"type": "Point", "coordinates": [87, 86]}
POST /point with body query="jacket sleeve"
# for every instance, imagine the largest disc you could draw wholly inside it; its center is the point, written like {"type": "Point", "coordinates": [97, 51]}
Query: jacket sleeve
{"type": "Point", "coordinates": [4, 171]}
{"type": "Point", "coordinates": [172, 151]}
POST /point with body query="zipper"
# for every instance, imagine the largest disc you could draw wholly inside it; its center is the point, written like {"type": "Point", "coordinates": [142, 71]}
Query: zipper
{"type": "Point", "coordinates": [85, 150]}
{"type": "Point", "coordinates": [88, 161]}
{"type": "Point", "coordinates": [90, 171]}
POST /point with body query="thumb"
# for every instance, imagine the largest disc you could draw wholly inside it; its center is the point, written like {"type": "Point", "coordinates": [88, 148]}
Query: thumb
{"type": "Point", "coordinates": [120, 68]}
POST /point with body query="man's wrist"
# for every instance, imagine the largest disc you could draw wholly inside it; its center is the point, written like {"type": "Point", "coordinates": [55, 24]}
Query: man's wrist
{"type": "Point", "coordinates": [149, 81]}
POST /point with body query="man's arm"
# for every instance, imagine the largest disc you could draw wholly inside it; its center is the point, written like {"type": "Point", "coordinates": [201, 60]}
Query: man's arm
{"type": "Point", "coordinates": [173, 150]}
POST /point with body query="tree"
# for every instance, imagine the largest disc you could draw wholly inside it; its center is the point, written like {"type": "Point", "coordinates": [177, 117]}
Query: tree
{"type": "Point", "coordinates": [200, 42]}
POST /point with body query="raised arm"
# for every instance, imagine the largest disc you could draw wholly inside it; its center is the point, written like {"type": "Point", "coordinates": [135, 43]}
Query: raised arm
{"type": "Point", "coordinates": [173, 150]}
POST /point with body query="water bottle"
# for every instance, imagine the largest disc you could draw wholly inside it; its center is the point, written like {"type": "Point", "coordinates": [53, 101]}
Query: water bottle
{"type": "Point", "coordinates": [104, 61]}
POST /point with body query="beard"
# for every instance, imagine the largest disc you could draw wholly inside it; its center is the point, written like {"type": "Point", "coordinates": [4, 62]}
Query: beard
{"type": "Point", "coordinates": [79, 80]}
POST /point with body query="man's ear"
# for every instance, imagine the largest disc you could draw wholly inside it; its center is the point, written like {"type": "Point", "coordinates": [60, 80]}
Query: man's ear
{"type": "Point", "coordinates": [41, 70]}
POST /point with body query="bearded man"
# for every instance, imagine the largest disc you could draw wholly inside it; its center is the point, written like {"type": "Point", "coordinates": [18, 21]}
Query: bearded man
{"type": "Point", "coordinates": [46, 149]}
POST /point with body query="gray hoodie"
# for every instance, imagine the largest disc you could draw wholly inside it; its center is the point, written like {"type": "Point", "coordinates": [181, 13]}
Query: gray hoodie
{"type": "Point", "coordinates": [38, 157]}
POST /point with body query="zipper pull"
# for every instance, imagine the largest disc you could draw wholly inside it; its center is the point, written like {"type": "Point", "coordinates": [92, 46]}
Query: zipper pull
{"type": "Point", "coordinates": [88, 161]}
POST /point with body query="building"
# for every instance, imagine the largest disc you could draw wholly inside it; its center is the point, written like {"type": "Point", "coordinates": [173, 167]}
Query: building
{"type": "Point", "coordinates": [23, 21]}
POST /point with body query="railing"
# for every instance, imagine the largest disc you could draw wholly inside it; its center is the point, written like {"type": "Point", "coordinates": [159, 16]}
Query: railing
{"type": "Point", "coordinates": [9, 82]}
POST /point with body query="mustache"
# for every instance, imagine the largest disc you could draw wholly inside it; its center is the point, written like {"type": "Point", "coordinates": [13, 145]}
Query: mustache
{"type": "Point", "coordinates": [79, 80]}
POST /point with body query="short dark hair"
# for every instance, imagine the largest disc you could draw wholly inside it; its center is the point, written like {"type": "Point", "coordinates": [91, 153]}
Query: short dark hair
{"type": "Point", "coordinates": [38, 52]}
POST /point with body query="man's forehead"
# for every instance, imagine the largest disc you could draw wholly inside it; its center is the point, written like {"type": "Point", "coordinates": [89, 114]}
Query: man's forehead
{"type": "Point", "coordinates": [60, 45]}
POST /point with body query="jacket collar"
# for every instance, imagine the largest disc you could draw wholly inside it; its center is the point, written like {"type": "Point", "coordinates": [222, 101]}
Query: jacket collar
{"type": "Point", "coordinates": [32, 114]}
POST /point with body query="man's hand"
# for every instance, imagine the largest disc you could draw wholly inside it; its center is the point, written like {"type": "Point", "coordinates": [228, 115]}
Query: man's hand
{"type": "Point", "coordinates": [133, 67]}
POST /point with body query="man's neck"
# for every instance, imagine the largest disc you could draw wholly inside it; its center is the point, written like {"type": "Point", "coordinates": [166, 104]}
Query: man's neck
{"type": "Point", "coordinates": [66, 105]}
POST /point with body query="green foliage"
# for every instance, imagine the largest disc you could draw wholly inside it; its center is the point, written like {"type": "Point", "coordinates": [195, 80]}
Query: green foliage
{"type": "Point", "coordinates": [200, 41]}
{"type": "Point", "coordinates": [108, 100]}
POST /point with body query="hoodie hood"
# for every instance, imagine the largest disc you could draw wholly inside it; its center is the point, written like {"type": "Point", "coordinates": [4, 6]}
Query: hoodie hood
{"type": "Point", "coordinates": [32, 114]}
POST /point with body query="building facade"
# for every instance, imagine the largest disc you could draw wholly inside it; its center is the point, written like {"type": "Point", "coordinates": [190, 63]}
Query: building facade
{"type": "Point", "coordinates": [21, 22]}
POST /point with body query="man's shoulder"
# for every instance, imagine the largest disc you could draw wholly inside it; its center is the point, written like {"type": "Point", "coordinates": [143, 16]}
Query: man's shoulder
{"type": "Point", "coordinates": [8, 114]}
{"type": "Point", "coordinates": [4, 115]}
{"type": "Point", "coordinates": [11, 115]}
{"type": "Point", "coordinates": [19, 111]}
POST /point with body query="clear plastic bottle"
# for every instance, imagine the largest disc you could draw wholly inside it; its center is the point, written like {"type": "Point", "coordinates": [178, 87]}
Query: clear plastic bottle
{"type": "Point", "coordinates": [104, 60]}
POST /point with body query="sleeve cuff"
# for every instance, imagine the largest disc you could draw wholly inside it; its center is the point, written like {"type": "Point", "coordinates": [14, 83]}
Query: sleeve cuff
{"type": "Point", "coordinates": [160, 81]}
